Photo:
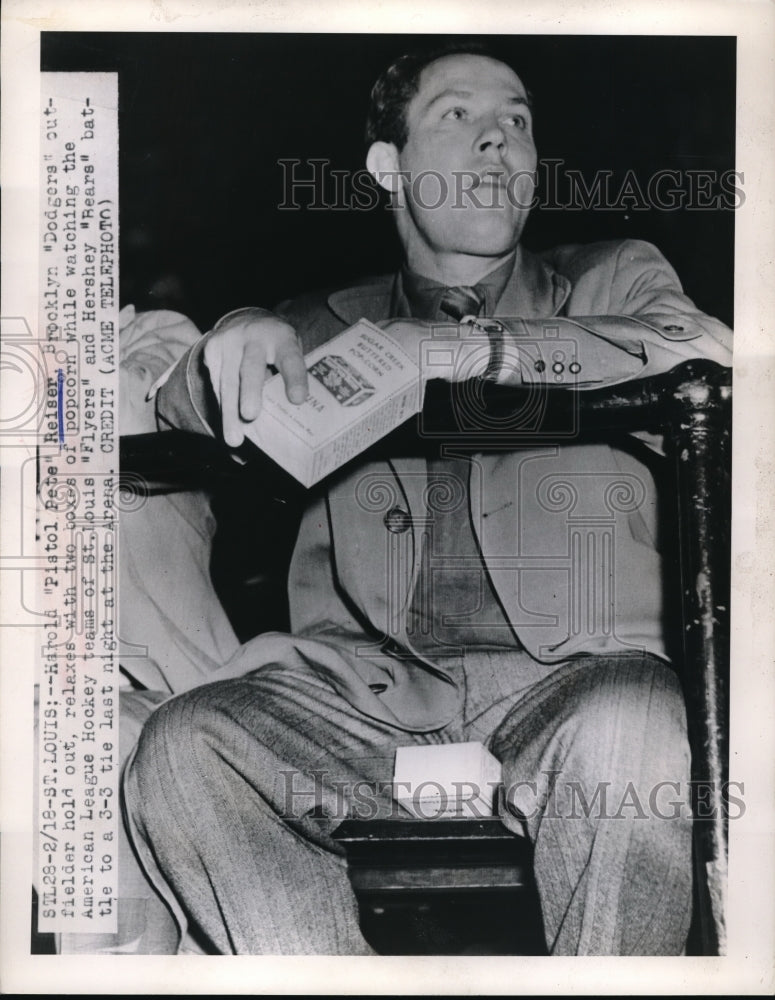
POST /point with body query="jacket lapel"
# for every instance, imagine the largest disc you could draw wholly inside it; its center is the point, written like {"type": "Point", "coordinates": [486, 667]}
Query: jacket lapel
{"type": "Point", "coordinates": [535, 289]}
{"type": "Point", "coordinates": [380, 566]}
{"type": "Point", "coordinates": [371, 301]}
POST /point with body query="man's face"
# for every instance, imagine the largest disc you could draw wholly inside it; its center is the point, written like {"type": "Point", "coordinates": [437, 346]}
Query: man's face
{"type": "Point", "coordinates": [469, 159]}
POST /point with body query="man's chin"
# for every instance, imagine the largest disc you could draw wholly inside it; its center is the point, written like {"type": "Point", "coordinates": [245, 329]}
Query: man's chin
{"type": "Point", "coordinates": [488, 247]}
{"type": "Point", "coordinates": [482, 237]}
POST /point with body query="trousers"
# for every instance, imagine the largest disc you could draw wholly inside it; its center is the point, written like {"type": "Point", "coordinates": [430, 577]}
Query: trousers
{"type": "Point", "coordinates": [235, 787]}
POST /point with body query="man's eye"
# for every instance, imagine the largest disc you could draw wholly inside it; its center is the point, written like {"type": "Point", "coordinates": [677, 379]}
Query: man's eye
{"type": "Point", "coordinates": [519, 121]}
{"type": "Point", "coordinates": [457, 114]}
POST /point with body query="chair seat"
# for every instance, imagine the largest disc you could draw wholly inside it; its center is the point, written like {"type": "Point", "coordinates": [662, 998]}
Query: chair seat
{"type": "Point", "coordinates": [444, 886]}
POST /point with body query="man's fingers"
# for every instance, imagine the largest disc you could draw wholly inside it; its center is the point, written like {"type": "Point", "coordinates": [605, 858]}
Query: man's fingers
{"type": "Point", "coordinates": [213, 358]}
{"type": "Point", "coordinates": [229, 396]}
{"type": "Point", "coordinates": [289, 361]}
{"type": "Point", "coordinates": [252, 375]}
{"type": "Point", "coordinates": [237, 359]}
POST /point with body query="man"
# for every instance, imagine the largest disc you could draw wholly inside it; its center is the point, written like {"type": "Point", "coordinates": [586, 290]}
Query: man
{"type": "Point", "coordinates": [418, 622]}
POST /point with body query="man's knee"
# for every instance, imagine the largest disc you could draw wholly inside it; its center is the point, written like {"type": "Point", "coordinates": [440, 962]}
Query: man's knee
{"type": "Point", "coordinates": [629, 699]}
{"type": "Point", "coordinates": [648, 718]}
{"type": "Point", "coordinates": [610, 698]}
{"type": "Point", "coordinates": [173, 741]}
{"type": "Point", "coordinates": [606, 727]}
{"type": "Point", "coordinates": [227, 731]}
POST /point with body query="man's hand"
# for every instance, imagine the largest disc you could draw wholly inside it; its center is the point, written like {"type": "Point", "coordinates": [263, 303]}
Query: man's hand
{"type": "Point", "coordinates": [241, 348]}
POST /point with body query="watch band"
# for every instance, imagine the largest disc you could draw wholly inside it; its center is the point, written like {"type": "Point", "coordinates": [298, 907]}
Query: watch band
{"type": "Point", "coordinates": [494, 331]}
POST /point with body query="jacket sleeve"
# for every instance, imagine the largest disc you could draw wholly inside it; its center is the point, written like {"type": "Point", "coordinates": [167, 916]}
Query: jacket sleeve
{"type": "Point", "coordinates": [151, 344]}
{"type": "Point", "coordinates": [186, 401]}
{"type": "Point", "coordinates": [184, 396]}
{"type": "Point", "coordinates": [647, 328]}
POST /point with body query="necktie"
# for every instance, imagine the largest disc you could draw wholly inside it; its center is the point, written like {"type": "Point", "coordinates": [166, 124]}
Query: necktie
{"type": "Point", "coordinates": [461, 300]}
{"type": "Point", "coordinates": [451, 580]}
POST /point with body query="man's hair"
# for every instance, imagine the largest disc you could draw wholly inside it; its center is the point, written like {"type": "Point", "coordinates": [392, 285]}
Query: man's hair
{"type": "Point", "coordinates": [391, 94]}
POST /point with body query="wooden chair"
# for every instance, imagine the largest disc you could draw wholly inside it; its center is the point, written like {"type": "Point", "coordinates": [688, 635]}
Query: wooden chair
{"type": "Point", "coordinates": [423, 886]}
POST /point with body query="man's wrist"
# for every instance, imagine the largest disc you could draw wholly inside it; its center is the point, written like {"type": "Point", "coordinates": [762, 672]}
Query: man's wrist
{"type": "Point", "coordinates": [494, 332]}
{"type": "Point", "coordinates": [241, 314]}
{"type": "Point", "coordinates": [495, 364]}
{"type": "Point", "coordinates": [463, 351]}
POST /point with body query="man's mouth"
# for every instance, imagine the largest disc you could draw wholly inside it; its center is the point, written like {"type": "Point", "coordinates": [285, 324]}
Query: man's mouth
{"type": "Point", "coordinates": [491, 178]}
{"type": "Point", "coordinates": [489, 189]}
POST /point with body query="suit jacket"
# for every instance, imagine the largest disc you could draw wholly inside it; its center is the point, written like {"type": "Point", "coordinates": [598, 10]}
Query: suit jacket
{"type": "Point", "coordinates": [568, 534]}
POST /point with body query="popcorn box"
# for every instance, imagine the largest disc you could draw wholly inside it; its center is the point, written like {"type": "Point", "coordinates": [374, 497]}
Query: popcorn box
{"type": "Point", "coordinates": [362, 385]}
{"type": "Point", "coordinates": [446, 780]}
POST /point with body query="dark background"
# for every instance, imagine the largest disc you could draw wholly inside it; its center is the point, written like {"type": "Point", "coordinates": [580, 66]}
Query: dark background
{"type": "Point", "coordinates": [204, 119]}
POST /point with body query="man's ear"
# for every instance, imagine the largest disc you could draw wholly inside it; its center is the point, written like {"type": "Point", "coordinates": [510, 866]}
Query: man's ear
{"type": "Point", "coordinates": [382, 164]}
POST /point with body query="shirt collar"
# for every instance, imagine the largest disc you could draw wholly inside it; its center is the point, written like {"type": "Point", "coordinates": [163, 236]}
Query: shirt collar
{"type": "Point", "coordinates": [420, 297]}
{"type": "Point", "coordinates": [536, 291]}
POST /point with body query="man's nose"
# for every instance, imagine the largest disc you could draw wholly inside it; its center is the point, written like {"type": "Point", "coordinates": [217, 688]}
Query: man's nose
{"type": "Point", "coordinates": [492, 139]}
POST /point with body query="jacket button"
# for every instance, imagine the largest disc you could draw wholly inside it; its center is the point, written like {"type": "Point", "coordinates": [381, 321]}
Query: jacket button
{"type": "Point", "coordinates": [397, 520]}
{"type": "Point", "coordinates": [673, 329]}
